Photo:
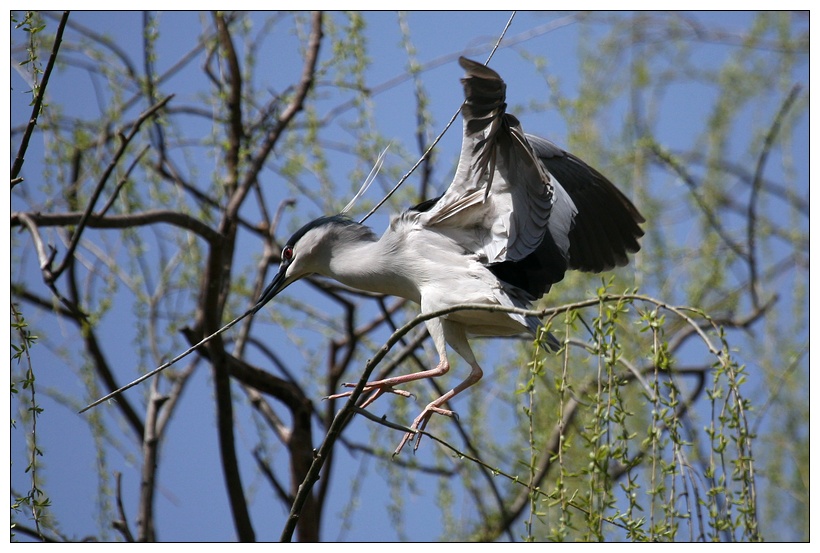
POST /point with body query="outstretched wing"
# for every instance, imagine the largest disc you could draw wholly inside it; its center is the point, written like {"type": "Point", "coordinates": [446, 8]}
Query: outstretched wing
{"type": "Point", "coordinates": [500, 202]}
{"type": "Point", "coordinates": [606, 226]}
{"type": "Point", "coordinates": [528, 209]}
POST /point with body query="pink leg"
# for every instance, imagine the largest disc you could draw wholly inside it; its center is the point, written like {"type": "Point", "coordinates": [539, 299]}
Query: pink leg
{"type": "Point", "coordinates": [420, 423]}
{"type": "Point", "coordinates": [380, 387]}
{"type": "Point", "coordinates": [455, 335]}
{"type": "Point", "coordinates": [442, 332]}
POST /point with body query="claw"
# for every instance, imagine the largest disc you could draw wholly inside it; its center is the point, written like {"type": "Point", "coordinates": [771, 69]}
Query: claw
{"type": "Point", "coordinates": [420, 424]}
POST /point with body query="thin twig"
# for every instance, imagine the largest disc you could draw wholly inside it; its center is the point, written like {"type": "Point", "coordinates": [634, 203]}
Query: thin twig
{"type": "Point", "coordinates": [125, 140]}
{"type": "Point", "coordinates": [122, 182]}
{"type": "Point", "coordinates": [757, 182]}
{"type": "Point", "coordinates": [438, 138]}
{"type": "Point", "coordinates": [714, 221]}
{"type": "Point", "coordinates": [121, 524]}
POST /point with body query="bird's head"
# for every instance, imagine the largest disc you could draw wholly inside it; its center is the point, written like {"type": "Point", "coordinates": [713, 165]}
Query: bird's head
{"type": "Point", "coordinates": [310, 250]}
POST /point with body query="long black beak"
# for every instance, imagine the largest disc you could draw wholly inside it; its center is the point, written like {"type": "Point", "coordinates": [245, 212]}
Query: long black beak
{"type": "Point", "coordinates": [278, 284]}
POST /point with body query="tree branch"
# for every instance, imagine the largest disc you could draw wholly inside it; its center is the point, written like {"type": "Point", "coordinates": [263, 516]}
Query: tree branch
{"type": "Point", "coordinates": [38, 102]}
{"type": "Point", "coordinates": [757, 181]}
{"type": "Point", "coordinates": [127, 220]}
{"type": "Point", "coordinates": [295, 106]}
{"type": "Point", "coordinates": [150, 456]}
{"type": "Point", "coordinates": [124, 142]}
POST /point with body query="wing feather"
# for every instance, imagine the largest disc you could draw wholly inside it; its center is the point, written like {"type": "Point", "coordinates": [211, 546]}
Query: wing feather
{"type": "Point", "coordinates": [607, 226]}
{"type": "Point", "coordinates": [498, 204]}
{"type": "Point", "coordinates": [528, 209]}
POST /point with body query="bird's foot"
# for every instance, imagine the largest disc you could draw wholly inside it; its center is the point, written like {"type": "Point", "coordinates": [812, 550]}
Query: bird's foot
{"type": "Point", "coordinates": [420, 424]}
{"type": "Point", "coordinates": [377, 388]}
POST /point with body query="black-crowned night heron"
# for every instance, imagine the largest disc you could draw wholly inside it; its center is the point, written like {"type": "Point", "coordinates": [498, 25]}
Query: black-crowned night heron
{"type": "Point", "coordinates": [519, 212]}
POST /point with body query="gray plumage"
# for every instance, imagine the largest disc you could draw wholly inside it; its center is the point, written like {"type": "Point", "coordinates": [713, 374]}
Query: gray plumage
{"type": "Point", "coordinates": [518, 214]}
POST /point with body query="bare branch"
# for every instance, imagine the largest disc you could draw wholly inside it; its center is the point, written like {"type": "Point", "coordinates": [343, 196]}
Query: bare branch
{"type": "Point", "coordinates": [122, 182]}
{"type": "Point", "coordinates": [150, 457]}
{"type": "Point", "coordinates": [295, 106]}
{"type": "Point", "coordinates": [127, 220]}
{"type": "Point", "coordinates": [122, 523]}
{"type": "Point", "coordinates": [751, 216]}
{"type": "Point", "coordinates": [38, 102]}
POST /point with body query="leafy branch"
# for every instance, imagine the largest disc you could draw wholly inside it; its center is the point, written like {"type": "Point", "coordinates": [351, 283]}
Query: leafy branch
{"type": "Point", "coordinates": [35, 498]}
{"type": "Point", "coordinates": [605, 385]}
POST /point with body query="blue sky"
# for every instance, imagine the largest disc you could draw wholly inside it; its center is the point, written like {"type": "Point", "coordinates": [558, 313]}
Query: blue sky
{"type": "Point", "coordinates": [191, 449]}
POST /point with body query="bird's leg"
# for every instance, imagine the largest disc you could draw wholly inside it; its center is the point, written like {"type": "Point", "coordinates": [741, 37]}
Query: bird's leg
{"type": "Point", "coordinates": [444, 331]}
{"type": "Point", "coordinates": [380, 387]}
{"type": "Point", "coordinates": [420, 423]}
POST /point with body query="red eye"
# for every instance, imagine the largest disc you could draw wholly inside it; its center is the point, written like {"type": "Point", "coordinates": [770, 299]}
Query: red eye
{"type": "Point", "coordinates": [287, 253]}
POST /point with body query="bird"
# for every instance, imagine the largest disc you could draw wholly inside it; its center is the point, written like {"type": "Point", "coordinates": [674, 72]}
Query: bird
{"type": "Point", "coordinates": [519, 212]}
